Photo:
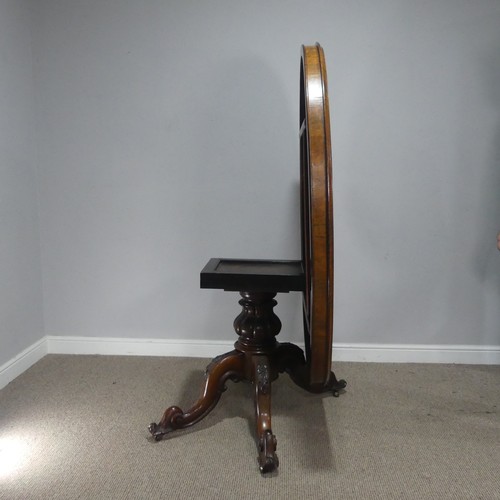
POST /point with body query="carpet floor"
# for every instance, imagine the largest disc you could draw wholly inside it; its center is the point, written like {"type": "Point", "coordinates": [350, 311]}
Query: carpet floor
{"type": "Point", "coordinates": [75, 427]}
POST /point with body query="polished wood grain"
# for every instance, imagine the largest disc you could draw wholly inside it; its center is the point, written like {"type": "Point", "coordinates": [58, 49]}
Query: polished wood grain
{"type": "Point", "coordinates": [317, 214]}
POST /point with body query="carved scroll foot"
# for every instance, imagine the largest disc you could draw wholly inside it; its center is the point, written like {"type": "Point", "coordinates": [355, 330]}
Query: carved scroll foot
{"type": "Point", "coordinates": [336, 385]}
{"type": "Point", "coordinates": [268, 460]}
{"type": "Point", "coordinates": [266, 440]}
{"type": "Point", "coordinates": [332, 385]}
{"type": "Point", "coordinates": [167, 423]}
{"type": "Point", "coordinates": [228, 366]}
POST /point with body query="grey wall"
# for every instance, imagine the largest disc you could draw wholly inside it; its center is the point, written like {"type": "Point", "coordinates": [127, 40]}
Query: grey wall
{"type": "Point", "coordinates": [21, 321]}
{"type": "Point", "coordinates": [168, 135]}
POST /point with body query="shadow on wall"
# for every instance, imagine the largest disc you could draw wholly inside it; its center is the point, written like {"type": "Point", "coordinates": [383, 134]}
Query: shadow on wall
{"type": "Point", "coordinates": [487, 257]}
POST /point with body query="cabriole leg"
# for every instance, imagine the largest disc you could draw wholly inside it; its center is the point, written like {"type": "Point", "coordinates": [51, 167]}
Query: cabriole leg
{"type": "Point", "coordinates": [227, 366]}
{"type": "Point", "coordinates": [266, 440]}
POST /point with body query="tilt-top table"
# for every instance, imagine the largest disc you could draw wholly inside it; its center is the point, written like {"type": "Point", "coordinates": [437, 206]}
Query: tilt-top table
{"type": "Point", "coordinates": [257, 356]}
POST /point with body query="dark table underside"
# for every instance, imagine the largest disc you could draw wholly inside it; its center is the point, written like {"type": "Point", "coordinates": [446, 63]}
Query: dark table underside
{"type": "Point", "coordinates": [253, 275]}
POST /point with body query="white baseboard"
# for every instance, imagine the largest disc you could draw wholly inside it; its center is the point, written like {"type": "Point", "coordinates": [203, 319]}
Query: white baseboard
{"type": "Point", "coordinates": [418, 353]}
{"type": "Point", "coordinates": [20, 363]}
{"type": "Point", "coordinates": [137, 347]}
{"type": "Point", "coordinates": [365, 353]}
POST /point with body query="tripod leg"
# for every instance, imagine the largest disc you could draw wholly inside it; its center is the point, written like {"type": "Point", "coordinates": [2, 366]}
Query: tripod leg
{"type": "Point", "coordinates": [290, 358]}
{"type": "Point", "coordinates": [266, 440]}
{"type": "Point", "coordinates": [227, 366]}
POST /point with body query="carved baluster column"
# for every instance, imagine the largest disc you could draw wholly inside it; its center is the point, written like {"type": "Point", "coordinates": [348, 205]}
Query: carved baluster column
{"type": "Point", "coordinates": [257, 325]}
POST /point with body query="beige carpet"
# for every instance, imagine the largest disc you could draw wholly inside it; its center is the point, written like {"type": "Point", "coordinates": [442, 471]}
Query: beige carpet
{"type": "Point", "coordinates": [76, 427]}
